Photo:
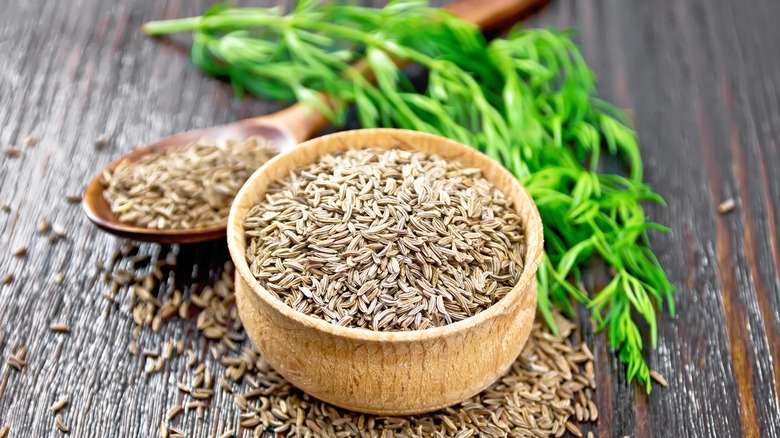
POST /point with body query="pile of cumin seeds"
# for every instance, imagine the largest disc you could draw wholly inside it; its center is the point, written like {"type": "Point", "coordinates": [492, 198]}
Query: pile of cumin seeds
{"type": "Point", "coordinates": [184, 188]}
{"type": "Point", "coordinates": [547, 392]}
{"type": "Point", "coordinates": [387, 240]}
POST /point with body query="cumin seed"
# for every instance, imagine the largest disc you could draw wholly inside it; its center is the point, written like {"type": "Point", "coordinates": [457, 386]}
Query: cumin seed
{"type": "Point", "coordinates": [59, 404]}
{"type": "Point", "coordinates": [30, 141]}
{"type": "Point", "coordinates": [173, 412]}
{"type": "Point", "coordinates": [44, 226]}
{"type": "Point", "coordinates": [658, 378]}
{"type": "Point", "coordinates": [726, 206]}
{"type": "Point", "coordinates": [60, 422]}
{"type": "Point", "coordinates": [59, 328]}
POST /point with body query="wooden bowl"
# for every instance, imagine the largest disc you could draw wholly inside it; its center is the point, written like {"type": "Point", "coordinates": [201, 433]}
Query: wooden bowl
{"type": "Point", "coordinates": [388, 373]}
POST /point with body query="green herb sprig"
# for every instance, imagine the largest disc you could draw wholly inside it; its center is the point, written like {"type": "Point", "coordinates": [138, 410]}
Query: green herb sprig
{"type": "Point", "coordinates": [526, 100]}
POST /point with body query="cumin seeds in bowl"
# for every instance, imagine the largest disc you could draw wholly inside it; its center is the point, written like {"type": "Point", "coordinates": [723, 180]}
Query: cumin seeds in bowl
{"type": "Point", "coordinates": [184, 188]}
{"type": "Point", "coordinates": [387, 240]}
{"type": "Point", "coordinates": [451, 311]}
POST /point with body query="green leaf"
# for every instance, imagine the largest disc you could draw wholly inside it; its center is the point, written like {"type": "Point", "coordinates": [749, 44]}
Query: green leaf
{"type": "Point", "coordinates": [527, 100]}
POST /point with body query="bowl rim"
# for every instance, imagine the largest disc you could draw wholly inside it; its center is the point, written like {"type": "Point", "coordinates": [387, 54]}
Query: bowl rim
{"type": "Point", "coordinates": [533, 227]}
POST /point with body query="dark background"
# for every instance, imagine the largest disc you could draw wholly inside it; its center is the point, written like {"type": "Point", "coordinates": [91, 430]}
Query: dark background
{"type": "Point", "coordinates": [700, 77]}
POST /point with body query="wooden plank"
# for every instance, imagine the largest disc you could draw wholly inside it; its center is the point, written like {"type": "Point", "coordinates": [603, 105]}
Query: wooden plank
{"type": "Point", "coordinates": [701, 80]}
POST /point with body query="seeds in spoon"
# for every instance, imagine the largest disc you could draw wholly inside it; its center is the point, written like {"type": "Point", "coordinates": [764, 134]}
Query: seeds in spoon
{"type": "Point", "coordinates": [189, 187]}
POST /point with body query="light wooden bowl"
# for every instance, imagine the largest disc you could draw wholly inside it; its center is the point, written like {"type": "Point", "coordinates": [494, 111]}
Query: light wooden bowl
{"type": "Point", "coordinates": [389, 373]}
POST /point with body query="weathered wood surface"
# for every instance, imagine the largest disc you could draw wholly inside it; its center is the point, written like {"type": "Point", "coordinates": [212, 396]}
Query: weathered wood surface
{"type": "Point", "coordinates": [701, 77]}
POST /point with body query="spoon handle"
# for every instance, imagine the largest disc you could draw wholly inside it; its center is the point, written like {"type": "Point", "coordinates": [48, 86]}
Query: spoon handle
{"type": "Point", "coordinates": [302, 122]}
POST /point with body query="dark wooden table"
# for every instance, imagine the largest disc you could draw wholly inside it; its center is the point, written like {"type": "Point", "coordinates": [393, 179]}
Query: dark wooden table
{"type": "Point", "coordinates": [702, 78]}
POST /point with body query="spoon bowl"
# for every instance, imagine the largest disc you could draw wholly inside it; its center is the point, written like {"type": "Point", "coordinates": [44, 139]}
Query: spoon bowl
{"type": "Point", "coordinates": [271, 128]}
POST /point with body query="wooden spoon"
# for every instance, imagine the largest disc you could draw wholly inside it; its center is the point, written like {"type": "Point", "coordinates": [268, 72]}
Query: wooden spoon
{"type": "Point", "coordinates": [284, 129]}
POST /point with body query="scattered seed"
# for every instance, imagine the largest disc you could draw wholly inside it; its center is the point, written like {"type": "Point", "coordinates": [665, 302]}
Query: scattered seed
{"type": "Point", "coordinates": [173, 412]}
{"type": "Point", "coordinates": [57, 233]}
{"type": "Point", "coordinates": [658, 378]}
{"type": "Point", "coordinates": [16, 360]}
{"type": "Point", "coordinates": [534, 392]}
{"type": "Point", "coordinates": [59, 328]}
{"type": "Point", "coordinates": [20, 251]}
{"type": "Point", "coordinates": [101, 142]}
{"type": "Point", "coordinates": [593, 410]}
{"type": "Point", "coordinates": [194, 405]}
{"type": "Point", "coordinates": [59, 404]}
{"type": "Point", "coordinates": [179, 347]}
{"type": "Point", "coordinates": [5, 207]}
{"type": "Point", "coordinates": [225, 385]}
{"type": "Point", "coordinates": [726, 206]}
{"type": "Point", "coordinates": [12, 152]}
{"type": "Point", "coordinates": [168, 349]}
{"type": "Point", "coordinates": [4, 432]}
{"type": "Point", "coordinates": [30, 141]}
{"type": "Point", "coordinates": [61, 424]}
{"type": "Point", "coordinates": [201, 394]}
{"type": "Point", "coordinates": [44, 226]}
{"type": "Point", "coordinates": [240, 401]}
{"type": "Point", "coordinates": [214, 332]}
{"type": "Point", "coordinates": [191, 359]}
{"type": "Point", "coordinates": [250, 422]}
{"type": "Point", "coordinates": [573, 429]}
{"type": "Point", "coordinates": [73, 199]}
{"type": "Point", "coordinates": [8, 279]}
{"type": "Point", "coordinates": [227, 434]}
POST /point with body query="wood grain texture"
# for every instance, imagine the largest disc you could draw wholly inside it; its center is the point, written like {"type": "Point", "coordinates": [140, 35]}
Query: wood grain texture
{"type": "Point", "coordinates": [700, 77]}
